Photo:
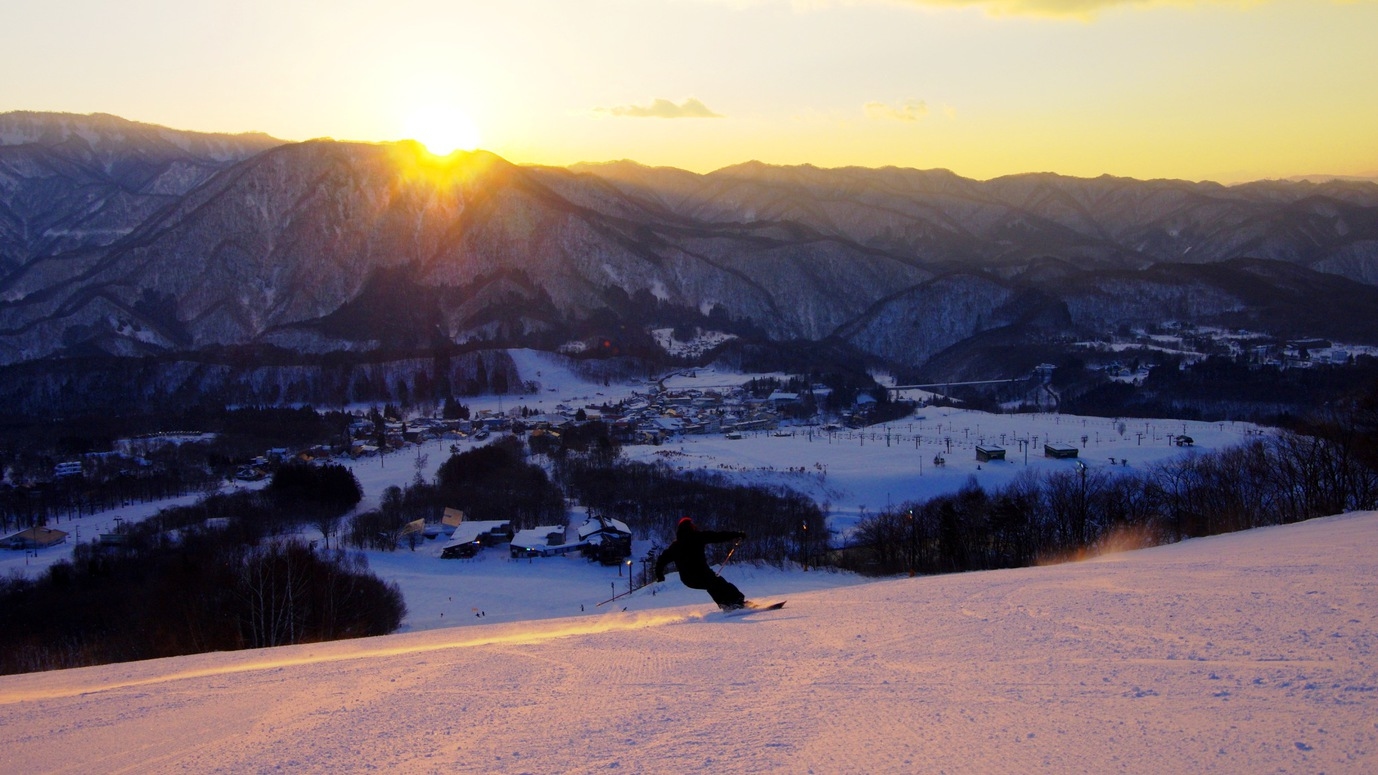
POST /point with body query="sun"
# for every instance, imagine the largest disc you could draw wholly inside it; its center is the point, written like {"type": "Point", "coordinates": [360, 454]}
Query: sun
{"type": "Point", "coordinates": [443, 129]}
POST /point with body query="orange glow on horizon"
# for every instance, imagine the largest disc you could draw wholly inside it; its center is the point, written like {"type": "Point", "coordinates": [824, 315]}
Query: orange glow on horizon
{"type": "Point", "coordinates": [442, 129]}
{"type": "Point", "coordinates": [417, 164]}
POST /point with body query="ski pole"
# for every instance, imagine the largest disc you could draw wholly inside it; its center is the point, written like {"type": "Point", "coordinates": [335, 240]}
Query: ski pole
{"type": "Point", "coordinates": [728, 558]}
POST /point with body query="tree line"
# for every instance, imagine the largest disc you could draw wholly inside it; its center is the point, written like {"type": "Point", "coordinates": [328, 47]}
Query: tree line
{"type": "Point", "coordinates": [149, 469]}
{"type": "Point", "coordinates": [651, 498]}
{"type": "Point", "coordinates": [1047, 517]}
{"type": "Point", "coordinates": [1214, 388]}
{"type": "Point", "coordinates": [529, 484]}
{"type": "Point", "coordinates": [226, 573]}
{"type": "Point", "coordinates": [493, 482]}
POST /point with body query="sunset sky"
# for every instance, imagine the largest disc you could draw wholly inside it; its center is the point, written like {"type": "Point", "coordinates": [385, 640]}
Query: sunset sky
{"type": "Point", "coordinates": [1224, 90]}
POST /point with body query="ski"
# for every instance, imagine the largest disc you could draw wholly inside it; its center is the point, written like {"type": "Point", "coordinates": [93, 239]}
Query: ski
{"type": "Point", "coordinates": [754, 608]}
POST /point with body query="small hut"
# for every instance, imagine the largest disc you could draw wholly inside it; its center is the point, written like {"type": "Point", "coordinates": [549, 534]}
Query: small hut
{"type": "Point", "coordinates": [36, 537]}
{"type": "Point", "coordinates": [985, 454]}
{"type": "Point", "coordinates": [1060, 451]}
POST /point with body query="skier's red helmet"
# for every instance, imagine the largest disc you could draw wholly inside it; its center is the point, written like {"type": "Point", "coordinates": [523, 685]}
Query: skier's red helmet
{"type": "Point", "coordinates": [686, 525]}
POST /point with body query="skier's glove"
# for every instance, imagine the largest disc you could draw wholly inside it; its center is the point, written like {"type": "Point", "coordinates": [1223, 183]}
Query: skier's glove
{"type": "Point", "coordinates": [740, 535]}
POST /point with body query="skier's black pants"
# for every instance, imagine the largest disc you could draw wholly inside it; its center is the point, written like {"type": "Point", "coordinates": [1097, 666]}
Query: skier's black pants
{"type": "Point", "coordinates": [720, 589]}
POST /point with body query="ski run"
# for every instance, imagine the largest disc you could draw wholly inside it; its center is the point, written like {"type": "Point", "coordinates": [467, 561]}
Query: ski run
{"type": "Point", "coordinates": [1244, 653]}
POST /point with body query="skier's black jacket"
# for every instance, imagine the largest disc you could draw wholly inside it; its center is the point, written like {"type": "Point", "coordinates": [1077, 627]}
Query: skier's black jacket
{"type": "Point", "coordinates": [686, 552]}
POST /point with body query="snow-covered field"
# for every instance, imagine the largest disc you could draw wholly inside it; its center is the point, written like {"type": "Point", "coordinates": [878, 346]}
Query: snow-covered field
{"type": "Point", "coordinates": [1246, 653]}
{"type": "Point", "coordinates": [849, 472]}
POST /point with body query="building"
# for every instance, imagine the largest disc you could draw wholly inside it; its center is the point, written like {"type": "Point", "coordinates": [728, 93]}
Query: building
{"type": "Point", "coordinates": [1060, 451]}
{"type": "Point", "coordinates": [986, 454]}
{"type": "Point", "coordinates": [450, 520]}
{"type": "Point", "coordinates": [468, 537]}
{"type": "Point", "coordinates": [113, 540]}
{"type": "Point", "coordinates": [544, 541]}
{"type": "Point", "coordinates": [37, 537]}
{"type": "Point", "coordinates": [460, 550]}
{"type": "Point", "coordinates": [489, 532]}
{"type": "Point", "coordinates": [609, 540]}
{"type": "Point", "coordinates": [780, 399]}
{"type": "Point", "coordinates": [64, 470]}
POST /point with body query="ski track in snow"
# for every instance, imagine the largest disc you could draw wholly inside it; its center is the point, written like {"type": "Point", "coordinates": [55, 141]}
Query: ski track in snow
{"type": "Point", "coordinates": [1251, 652]}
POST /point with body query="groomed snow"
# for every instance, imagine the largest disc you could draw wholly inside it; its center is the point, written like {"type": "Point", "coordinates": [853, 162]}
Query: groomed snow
{"type": "Point", "coordinates": [1245, 653]}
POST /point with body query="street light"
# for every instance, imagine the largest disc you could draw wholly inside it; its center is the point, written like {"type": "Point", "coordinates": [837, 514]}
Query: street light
{"type": "Point", "coordinates": [1081, 524]}
{"type": "Point", "coordinates": [913, 544]}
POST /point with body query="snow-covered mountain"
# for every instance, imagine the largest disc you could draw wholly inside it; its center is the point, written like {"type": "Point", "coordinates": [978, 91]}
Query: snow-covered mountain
{"type": "Point", "coordinates": [71, 183]}
{"type": "Point", "coordinates": [1106, 222]}
{"type": "Point", "coordinates": [1251, 652]}
{"type": "Point", "coordinates": [121, 239]}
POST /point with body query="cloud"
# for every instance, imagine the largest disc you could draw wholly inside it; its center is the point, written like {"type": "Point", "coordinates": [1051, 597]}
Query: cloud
{"type": "Point", "coordinates": [1072, 8]}
{"type": "Point", "coordinates": [1065, 9]}
{"type": "Point", "coordinates": [1060, 9]}
{"type": "Point", "coordinates": [907, 110]}
{"type": "Point", "coordinates": [1069, 9]}
{"type": "Point", "coordinates": [690, 108]}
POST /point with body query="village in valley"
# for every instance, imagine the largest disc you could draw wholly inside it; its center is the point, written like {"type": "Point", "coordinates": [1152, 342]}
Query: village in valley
{"type": "Point", "coordinates": [1124, 355]}
{"type": "Point", "coordinates": [739, 426]}
{"type": "Point", "coordinates": [681, 406]}
{"type": "Point", "coordinates": [662, 418]}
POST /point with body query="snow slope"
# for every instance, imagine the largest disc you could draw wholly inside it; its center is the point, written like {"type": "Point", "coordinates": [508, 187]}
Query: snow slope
{"type": "Point", "coordinates": [1252, 652]}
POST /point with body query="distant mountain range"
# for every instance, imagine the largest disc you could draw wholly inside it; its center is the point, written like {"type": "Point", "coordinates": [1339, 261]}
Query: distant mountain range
{"type": "Point", "coordinates": [125, 239]}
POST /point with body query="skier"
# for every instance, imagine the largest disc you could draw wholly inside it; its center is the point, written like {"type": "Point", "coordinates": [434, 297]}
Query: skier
{"type": "Point", "coordinates": [686, 552]}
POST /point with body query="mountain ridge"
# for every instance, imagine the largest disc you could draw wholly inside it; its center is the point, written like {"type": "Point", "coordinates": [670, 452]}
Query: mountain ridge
{"type": "Point", "coordinates": [128, 243]}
